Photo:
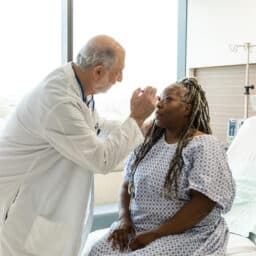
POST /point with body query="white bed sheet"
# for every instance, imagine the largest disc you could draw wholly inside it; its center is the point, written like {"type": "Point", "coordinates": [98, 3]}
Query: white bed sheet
{"type": "Point", "coordinates": [240, 246]}
{"type": "Point", "coordinates": [237, 245]}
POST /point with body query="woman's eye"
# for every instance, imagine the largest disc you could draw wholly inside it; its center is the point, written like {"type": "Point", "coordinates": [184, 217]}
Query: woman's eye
{"type": "Point", "coordinates": [167, 99]}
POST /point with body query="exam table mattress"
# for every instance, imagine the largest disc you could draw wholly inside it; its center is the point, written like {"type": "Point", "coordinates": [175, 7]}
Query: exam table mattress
{"type": "Point", "coordinates": [237, 245]}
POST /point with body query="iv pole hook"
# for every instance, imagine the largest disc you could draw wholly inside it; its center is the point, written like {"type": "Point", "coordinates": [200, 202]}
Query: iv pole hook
{"type": "Point", "coordinates": [247, 87]}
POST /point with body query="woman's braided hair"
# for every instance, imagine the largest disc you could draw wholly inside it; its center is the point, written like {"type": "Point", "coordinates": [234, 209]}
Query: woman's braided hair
{"type": "Point", "coordinates": [198, 120]}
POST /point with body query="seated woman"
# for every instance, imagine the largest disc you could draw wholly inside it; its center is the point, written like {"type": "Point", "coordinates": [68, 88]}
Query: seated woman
{"type": "Point", "coordinates": [176, 184]}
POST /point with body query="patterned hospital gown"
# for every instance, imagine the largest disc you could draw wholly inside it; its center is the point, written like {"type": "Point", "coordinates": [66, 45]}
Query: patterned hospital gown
{"type": "Point", "coordinates": [205, 170]}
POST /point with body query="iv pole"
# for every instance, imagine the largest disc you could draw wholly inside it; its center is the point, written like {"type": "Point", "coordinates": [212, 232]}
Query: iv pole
{"type": "Point", "coordinates": [247, 87]}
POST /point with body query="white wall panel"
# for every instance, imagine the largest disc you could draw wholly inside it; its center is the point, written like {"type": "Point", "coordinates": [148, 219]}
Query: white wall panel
{"type": "Point", "coordinates": [213, 25]}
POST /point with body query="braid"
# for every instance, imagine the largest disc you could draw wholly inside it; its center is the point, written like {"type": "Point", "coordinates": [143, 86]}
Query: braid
{"type": "Point", "coordinates": [198, 120]}
{"type": "Point", "coordinates": [152, 136]}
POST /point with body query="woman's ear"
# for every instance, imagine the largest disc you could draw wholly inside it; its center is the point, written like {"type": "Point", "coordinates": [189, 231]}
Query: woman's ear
{"type": "Point", "coordinates": [188, 108]}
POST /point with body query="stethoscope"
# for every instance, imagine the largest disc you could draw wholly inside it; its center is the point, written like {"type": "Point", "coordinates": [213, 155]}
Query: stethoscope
{"type": "Point", "coordinates": [84, 98]}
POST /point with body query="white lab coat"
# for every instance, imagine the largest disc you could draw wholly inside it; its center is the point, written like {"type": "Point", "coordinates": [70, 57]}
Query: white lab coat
{"type": "Point", "coordinates": [49, 151]}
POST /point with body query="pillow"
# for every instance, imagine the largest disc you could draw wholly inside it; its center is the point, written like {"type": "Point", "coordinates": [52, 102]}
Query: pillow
{"type": "Point", "coordinates": [242, 160]}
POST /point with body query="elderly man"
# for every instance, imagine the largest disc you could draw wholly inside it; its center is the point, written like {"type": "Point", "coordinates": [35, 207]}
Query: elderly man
{"type": "Point", "coordinates": [50, 149]}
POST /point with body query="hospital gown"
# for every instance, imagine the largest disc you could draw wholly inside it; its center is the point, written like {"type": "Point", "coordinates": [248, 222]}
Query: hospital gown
{"type": "Point", "coordinates": [205, 170]}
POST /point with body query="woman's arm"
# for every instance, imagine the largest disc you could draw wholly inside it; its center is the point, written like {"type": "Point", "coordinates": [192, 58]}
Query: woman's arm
{"type": "Point", "coordinates": [120, 236]}
{"type": "Point", "coordinates": [188, 216]}
{"type": "Point", "coordinates": [124, 212]}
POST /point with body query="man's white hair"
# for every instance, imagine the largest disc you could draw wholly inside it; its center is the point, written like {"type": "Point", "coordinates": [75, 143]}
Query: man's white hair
{"type": "Point", "coordinates": [95, 53]}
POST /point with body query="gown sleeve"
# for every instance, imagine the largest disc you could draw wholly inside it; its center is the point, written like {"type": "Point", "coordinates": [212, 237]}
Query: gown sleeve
{"type": "Point", "coordinates": [128, 165]}
{"type": "Point", "coordinates": [210, 173]}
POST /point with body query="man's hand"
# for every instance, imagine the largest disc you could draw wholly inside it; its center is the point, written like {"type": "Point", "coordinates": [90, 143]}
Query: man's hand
{"type": "Point", "coordinates": [141, 240]}
{"type": "Point", "coordinates": [143, 103]}
{"type": "Point", "coordinates": [120, 236]}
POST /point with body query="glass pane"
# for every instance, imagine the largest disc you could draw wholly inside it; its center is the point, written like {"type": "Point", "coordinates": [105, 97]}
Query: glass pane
{"type": "Point", "coordinates": [148, 31]}
{"type": "Point", "coordinates": [30, 45]}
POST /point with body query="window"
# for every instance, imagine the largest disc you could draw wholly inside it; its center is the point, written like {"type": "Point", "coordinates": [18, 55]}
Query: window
{"type": "Point", "coordinates": [148, 31]}
{"type": "Point", "coordinates": [30, 46]}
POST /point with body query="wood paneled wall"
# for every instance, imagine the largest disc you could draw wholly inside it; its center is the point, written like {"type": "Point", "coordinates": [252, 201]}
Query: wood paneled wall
{"type": "Point", "coordinates": [224, 87]}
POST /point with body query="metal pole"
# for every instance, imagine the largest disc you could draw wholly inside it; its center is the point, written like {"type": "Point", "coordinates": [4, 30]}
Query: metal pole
{"type": "Point", "coordinates": [247, 87]}
{"type": "Point", "coordinates": [67, 31]}
{"type": "Point", "coordinates": [182, 38]}
{"type": "Point", "coordinates": [247, 48]}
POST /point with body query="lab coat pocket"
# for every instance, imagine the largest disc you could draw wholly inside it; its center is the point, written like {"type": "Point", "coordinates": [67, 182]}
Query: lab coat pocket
{"type": "Point", "coordinates": [46, 238]}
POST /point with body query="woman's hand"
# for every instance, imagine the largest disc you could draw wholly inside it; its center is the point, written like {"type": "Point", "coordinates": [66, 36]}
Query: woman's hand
{"type": "Point", "coordinates": [120, 236]}
{"type": "Point", "coordinates": [141, 240]}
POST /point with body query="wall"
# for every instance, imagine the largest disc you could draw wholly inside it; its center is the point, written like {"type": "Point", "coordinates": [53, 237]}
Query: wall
{"type": "Point", "coordinates": [224, 90]}
{"type": "Point", "coordinates": [213, 25]}
{"type": "Point", "coordinates": [107, 188]}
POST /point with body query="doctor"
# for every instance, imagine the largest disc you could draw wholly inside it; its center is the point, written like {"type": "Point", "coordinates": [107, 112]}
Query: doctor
{"type": "Point", "coordinates": [50, 148]}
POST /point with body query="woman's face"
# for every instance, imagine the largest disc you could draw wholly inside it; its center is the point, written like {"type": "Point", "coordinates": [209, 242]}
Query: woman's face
{"type": "Point", "coordinates": [172, 111]}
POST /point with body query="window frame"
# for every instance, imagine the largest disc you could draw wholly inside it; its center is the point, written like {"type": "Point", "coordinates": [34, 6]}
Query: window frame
{"type": "Point", "coordinates": [67, 35]}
